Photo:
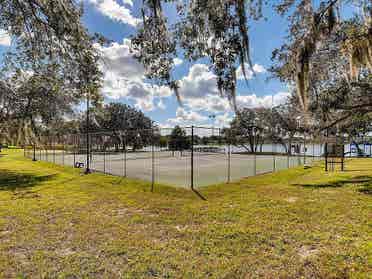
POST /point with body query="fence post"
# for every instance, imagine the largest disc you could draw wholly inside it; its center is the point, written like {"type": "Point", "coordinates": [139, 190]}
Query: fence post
{"type": "Point", "coordinates": [343, 155]}
{"type": "Point", "coordinates": [254, 152]}
{"type": "Point", "coordinates": [46, 151]}
{"type": "Point", "coordinates": [34, 153]}
{"type": "Point", "coordinates": [63, 151]}
{"type": "Point", "coordinates": [152, 160]}
{"type": "Point", "coordinates": [228, 158]}
{"type": "Point", "coordinates": [326, 151]}
{"type": "Point", "coordinates": [304, 148]}
{"type": "Point", "coordinates": [87, 170]}
{"type": "Point", "coordinates": [104, 158]}
{"type": "Point", "coordinates": [75, 144]}
{"type": "Point", "coordinates": [125, 154]}
{"type": "Point", "coordinates": [326, 156]}
{"type": "Point", "coordinates": [313, 150]}
{"type": "Point", "coordinates": [274, 158]}
{"type": "Point", "coordinates": [54, 150]}
{"type": "Point", "coordinates": [192, 158]}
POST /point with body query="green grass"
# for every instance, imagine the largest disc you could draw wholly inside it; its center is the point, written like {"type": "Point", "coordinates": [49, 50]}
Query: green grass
{"type": "Point", "coordinates": [57, 223]}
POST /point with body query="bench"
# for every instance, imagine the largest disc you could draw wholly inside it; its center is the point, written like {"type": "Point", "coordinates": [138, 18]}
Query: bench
{"type": "Point", "coordinates": [79, 165]}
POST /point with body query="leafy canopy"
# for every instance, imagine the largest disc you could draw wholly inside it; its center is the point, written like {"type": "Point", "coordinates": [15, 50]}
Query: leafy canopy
{"type": "Point", "coordinates": [217, 30]}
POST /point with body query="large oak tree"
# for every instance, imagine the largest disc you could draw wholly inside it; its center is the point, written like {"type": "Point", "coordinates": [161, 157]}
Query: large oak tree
{"type": "Point", "coordinates": [218, 31]}
{"type": "Point", "coordinates": [51, 45]}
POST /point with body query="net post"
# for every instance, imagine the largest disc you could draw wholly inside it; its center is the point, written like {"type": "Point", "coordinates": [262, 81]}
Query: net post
{"type": "Point", "coordinates": [152, 160]}
{"type": "Point", "coordinates": [192, 158]}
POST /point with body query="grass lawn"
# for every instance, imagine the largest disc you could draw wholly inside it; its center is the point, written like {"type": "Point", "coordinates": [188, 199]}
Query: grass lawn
{"type": "Point", "coordinates": [56, 222]}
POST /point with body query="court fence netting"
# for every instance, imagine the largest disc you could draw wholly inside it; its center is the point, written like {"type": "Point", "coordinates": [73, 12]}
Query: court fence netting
{"type": "Point", "coordinates": [182, 156]}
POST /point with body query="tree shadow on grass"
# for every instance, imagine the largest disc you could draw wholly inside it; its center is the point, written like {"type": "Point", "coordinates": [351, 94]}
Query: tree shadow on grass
{"type": "Point", "coordinates": [364, 180]}
{"type": "Point", "coordinates": [366, 188]}
{"type": "Point", "coordinates": [12, 181]}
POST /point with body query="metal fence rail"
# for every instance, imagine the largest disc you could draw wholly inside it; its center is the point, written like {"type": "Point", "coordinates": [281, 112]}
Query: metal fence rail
{"type": "Point", "coordinates": [195, 157]}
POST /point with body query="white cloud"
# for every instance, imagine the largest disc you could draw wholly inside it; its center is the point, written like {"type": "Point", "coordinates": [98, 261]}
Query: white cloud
{"type": "Point", "coordinates": [185, 117]}
{"type": "Point", "coordinates": [198, 91]}
{"type": "Point", "coordinates": [223, 120]}
{"type": "Point", "coordinates": [5, 39]}
{"type": "Point", "coordinates": [128, 2]}
{"type": "Point", "coordinates": [124, 77]}
{"type": "Point", "coordinates": [161, 105]}
{"type": "Point", "coordinates": [253, 101]}
{"type": "Point", "coordinates": [198, 83]}
{"type": "Point", "coordinates": [281, 97]}
{"type": "Point", "coordinates": [117, 59]}
{"type": "Point", "coordinates": [177, 61]}
{"type": "Point", "coordinates": [145, 104]}
{"type": "Point", "coordinates": [197, 109]}
{"type": "Point", "coordinates": [114, 11]}
{"type": "Point", "coordinates": [257, 68]}
{"type": "Point", "coordinates": [209, 103]}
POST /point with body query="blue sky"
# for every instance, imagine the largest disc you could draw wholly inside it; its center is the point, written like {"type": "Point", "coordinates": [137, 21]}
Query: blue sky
{"type": "Point", "coordinates": [124, 81]}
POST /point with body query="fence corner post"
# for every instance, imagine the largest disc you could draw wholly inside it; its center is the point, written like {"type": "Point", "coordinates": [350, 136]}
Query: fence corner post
{"type": "Point", "coordinates": [152, 160]}
{"type": "Point", "coordinates": [192, 158]}
{"type": "Point", "coordinates": [34, 153]}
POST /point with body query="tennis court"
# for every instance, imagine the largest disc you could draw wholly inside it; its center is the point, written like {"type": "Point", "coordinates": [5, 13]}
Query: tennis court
{"type": "Point", "coordinates": [174, 168]}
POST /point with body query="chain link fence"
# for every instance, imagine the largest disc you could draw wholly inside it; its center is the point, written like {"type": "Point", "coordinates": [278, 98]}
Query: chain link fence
{"type": "Point", "coordinates": [181, 156]}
